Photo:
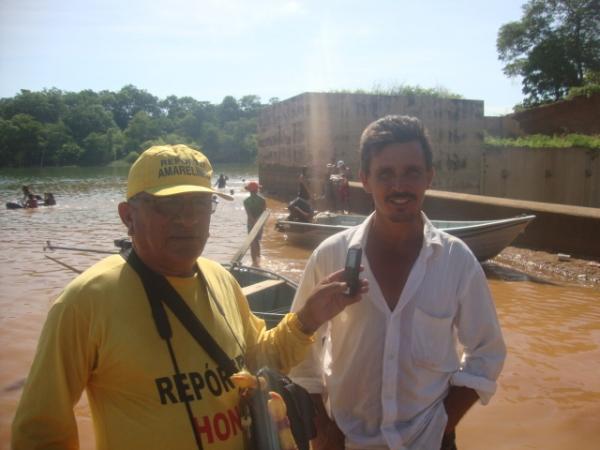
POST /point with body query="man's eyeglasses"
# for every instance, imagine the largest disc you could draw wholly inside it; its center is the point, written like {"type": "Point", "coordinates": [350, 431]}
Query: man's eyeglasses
{"type": "Point", "coordinates": [174, 205]}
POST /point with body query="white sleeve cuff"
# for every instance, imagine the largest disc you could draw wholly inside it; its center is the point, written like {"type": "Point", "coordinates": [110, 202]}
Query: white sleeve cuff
{"type": "Point", "coordinates": [484, 387]}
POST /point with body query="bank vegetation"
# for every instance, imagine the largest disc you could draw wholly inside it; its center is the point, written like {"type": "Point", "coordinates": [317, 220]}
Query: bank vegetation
{"type": "Point", "coordinates": [58, 128]}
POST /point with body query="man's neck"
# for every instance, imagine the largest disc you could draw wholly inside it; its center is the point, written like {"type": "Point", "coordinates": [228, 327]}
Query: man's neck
{"type": "Point", "coordinates": [396, 237]}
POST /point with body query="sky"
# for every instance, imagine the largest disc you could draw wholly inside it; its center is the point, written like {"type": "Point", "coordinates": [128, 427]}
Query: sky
{"type": "Point", "coordinates": [209, 49]}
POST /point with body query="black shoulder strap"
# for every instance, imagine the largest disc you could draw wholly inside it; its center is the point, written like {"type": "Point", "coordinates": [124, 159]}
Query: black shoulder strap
{"type": "Point", "coordinates": [159, 291]}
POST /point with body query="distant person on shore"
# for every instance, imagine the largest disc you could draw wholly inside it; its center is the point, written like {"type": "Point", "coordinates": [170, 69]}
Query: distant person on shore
{"type": "Point", "coordinates": [149, 383]}
{"type": "Point", "coordinates": [222, 182]}
{"type": "Point", "coordinates": [49, 199]}
{"type": "Point", "coordinates": [254, 205]}
{"type": "Point", "coordinates": [401, 368]}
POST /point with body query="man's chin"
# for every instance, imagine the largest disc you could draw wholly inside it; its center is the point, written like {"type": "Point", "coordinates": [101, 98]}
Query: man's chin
{"type": "Point", "coordinates": [403, 216]}
{"type": "Point", "coordinates": [186, 248]}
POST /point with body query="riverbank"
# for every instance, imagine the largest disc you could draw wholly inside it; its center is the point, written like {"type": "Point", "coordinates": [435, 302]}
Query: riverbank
{"type": "Point", "coordinates": [551, 267]}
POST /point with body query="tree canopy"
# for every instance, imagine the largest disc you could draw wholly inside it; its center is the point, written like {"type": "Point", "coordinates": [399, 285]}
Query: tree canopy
{"type": "Point", "coordinates": [53, 127]}
{"type": "Point", "coordinates": [554, 47]}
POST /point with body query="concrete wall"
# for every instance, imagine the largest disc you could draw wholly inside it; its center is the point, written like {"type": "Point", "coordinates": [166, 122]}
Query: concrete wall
{"type": "Point", "coordinates": [314, 129]}
{"type": "Point", "coordinates": [502, 126]}
{"type": "Point", "coordinates": [579, 115]}
{"type": "Point", "coordinates": [556, 175]}
{"type": "Point", "coordinates": [557, 228]}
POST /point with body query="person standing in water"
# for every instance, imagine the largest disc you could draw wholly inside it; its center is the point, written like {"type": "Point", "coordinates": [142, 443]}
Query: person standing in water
{"type": "Point", "coordinates": [222, 182]}
{"type": "Point", "coordinates": [401, 368]}
{"type": "Point", "coordinates": [254, 205]}
{"type": "Point", "coordinates": [148, 389]}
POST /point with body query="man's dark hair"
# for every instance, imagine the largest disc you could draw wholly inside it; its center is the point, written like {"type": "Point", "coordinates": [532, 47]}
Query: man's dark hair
{"type": "Point", "coordinates": [393, 129]}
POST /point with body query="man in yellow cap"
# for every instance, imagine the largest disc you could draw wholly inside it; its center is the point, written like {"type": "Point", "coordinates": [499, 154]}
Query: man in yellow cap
{"type": "Point", "coordinates": [145, 391]}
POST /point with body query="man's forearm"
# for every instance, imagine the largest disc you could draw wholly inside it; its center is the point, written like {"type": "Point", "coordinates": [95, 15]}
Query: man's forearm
{"type": "Point", "coordinates": [458, 401]}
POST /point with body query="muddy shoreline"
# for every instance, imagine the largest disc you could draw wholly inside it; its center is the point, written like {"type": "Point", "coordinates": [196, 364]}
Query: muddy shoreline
{"type": "Point", "coordinates": [549, 267]}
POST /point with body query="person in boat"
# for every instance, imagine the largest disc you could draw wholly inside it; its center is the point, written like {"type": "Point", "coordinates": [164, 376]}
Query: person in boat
{"type": "Point", "coordinates": [390, 367]}
{"type": "Point", "coordinates": [31, 201]}
{"type": "Point", "coordinates": [300, 211]}
{"type": "Point", "coordinates": [254, 205]}
{"type": "Point", "coordinates": [300, 208]}
{"type": "Point", "coordinates": [330, 185]}
{"type": "Point", "coordinates": [303, 190]}
{"type": "Point", "coordinates": [221, 181]}
{"type": "Point", "coordinates": [27, 192]}
{"type": "Point", "coordinates": [146, 392]}
{"type": "Point", "coordinates": [49, 199]}
{"type": "Point", "coordinates": [343, 186]}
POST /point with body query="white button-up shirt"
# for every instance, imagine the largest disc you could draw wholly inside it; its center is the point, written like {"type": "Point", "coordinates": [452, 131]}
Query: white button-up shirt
{"type": "Point", "coordinates": [387, 372]}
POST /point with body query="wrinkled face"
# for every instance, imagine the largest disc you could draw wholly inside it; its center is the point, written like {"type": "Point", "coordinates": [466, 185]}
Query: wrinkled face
{"type": "Point", "coordinates": [397, 180]}
{"type": "Point", "coordinates": [168, 233]}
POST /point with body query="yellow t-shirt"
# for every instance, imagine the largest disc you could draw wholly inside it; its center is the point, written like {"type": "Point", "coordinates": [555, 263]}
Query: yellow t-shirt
{"type": "Point", "coordinates": [100, 336]}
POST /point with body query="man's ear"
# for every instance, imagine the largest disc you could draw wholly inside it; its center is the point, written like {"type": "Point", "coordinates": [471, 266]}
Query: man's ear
{"type": "Point", "coordinates": [365, 181]}
{"type": "Point", "coordinates": [430, 175]}
{"type": "Point", "coordinates": [126, 218]}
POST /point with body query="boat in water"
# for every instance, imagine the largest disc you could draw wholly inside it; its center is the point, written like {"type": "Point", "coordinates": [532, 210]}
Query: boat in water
{"type": "Point", "coordinates": [485, 238]}
{"type": "Point", "coordinates": [269, 294]}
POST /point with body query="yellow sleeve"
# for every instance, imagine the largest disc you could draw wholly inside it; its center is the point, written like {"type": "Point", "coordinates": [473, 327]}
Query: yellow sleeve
{"type": "Point", "coordinates": [58, 375]}
{"type": "Point", "coordinates": [281, 347]}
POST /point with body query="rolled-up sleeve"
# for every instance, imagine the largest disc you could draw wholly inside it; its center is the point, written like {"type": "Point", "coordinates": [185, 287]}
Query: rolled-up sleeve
{"type": "Point", "coordinates": [479, 333]}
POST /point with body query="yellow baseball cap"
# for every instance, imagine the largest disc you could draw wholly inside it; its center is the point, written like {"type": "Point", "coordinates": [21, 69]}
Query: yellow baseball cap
{"type": "Point", "coordinates": [171, 169]}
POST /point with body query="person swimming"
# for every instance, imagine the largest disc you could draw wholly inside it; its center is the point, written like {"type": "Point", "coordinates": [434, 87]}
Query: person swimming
{"type": "Point", "coordinates": [31, 202]}
{"type": "Point", "coordinates": [49, 199]}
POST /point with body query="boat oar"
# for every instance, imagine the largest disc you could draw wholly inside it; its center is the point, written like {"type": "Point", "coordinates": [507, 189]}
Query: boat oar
{"type": "Point", "coordinates": [251, 236]}
{"type": "Point", "coordinates": [49, 246]}
{"type": "Point", "coordinates": [64, 264]}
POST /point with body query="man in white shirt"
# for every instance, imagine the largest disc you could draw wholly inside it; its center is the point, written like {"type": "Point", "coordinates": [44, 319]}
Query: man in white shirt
{"type": "Point", "coordinates": [401, 368]}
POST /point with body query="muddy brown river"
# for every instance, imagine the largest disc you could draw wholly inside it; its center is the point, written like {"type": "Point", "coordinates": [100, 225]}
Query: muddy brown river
{"type": "Point", "coordinates": [549, 390]}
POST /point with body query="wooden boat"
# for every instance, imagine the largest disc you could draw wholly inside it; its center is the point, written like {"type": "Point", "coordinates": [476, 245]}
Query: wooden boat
{"type": "Point", "coordinates": [269, 294]}
{"type": "Point", "coordinates": [485, 238]}
{"type": "Point", "coordinates": [310, 234]}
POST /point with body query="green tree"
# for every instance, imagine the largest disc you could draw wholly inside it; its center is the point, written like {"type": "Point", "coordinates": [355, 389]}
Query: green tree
{"type": "Point", "coordinates": [250, 104]}
{"type": "Point", "coordinates": [25, 141]}
{"type": "Point", "coordinates": [211, 139]}
{"type": "Point", "coordinates": [229, 109]}
{"type": "Point", "coordinates": [129, 101]}
{"type": "Point", "coordinates": [54, 127]}
{"type": "Point", "coordinates": [69, 154]}
{"type": "Point", "coordinates": [84, 119]}
{"type": "Point", "coordinates": [97, 150]}
{"type": "Point", "coordinates": [45, 106]}
{"type": "Point", "coordinates": [141, 128]}
{"type": "Point", "coordinates": [552, 47]}
{"type": "Point", "coordinates": [57, 135]}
